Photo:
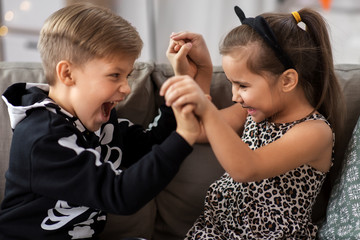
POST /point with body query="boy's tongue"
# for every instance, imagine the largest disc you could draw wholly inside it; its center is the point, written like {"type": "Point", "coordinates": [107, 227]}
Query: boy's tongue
{"type": "Point", "coordinates": [106, 109]}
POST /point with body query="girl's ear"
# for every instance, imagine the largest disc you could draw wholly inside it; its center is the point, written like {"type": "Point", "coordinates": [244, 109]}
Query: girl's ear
{"type": "Point", "coordinates": [289, 80]}
{"type": "Point", "coordinates": [63, 71]}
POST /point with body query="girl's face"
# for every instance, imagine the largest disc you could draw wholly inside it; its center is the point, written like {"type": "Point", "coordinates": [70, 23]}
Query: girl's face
{"type": "Point", "coordinates": [254, 92]}
{"type": "Point", "coordinates": [99, 85]}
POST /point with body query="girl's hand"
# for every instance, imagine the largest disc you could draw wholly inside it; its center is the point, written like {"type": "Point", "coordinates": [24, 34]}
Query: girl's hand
{"type": "Point", "coordinates": [182, 91]}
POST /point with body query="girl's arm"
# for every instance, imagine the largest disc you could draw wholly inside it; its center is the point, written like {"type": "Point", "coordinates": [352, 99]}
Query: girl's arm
{"type": "Point", "coordinates": [234, 115]}
{"type": "Point", "coordinates": [183, 88]}
{"type": "Point", "coordinates": [306, 143]}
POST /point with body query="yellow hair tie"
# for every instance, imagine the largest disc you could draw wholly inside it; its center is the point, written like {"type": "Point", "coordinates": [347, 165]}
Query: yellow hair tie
{"type": "Point", "coordinates": [296, 16]}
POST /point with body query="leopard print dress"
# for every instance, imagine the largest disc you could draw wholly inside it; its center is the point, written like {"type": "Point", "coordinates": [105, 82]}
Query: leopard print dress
{"type": "Point", "coordinates": [273, 208]}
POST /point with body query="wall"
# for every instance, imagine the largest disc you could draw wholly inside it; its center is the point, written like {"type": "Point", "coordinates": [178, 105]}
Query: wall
{"type": "Point", "coordinates": [24, 20]}
{"type": "Point", "coordinates": [156, 19]}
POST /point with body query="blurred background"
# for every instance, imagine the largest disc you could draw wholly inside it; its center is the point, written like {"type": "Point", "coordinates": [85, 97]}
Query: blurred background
{"type": "Point", "coordinates": [21, 21]}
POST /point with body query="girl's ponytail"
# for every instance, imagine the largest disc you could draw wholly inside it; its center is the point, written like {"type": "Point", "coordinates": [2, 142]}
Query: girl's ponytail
{"type": "Point", "coordinates": [326, 92]}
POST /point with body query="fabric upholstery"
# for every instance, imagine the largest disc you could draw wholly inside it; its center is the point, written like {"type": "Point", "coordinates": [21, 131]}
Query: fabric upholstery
{"type": "Point", "coordinates": [173, 211]}
{"type": "Point", "coordinates": [349, 78]}
{"type": "Point", "coordinates": [343, 212]}
{"type": "Point", "coordinates": [11, 73]}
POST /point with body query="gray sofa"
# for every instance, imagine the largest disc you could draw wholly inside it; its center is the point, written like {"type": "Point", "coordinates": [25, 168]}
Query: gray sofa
{"type": "Point", "coordinates": [173, 211]}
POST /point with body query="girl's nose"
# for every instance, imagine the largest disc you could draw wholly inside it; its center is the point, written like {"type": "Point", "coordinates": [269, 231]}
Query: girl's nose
{"type": "Point", "coordinates": [236, 97]}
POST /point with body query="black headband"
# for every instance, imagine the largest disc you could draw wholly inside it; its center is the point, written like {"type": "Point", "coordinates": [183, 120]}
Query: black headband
{"type": "Point", "coordinates": [260, 25]}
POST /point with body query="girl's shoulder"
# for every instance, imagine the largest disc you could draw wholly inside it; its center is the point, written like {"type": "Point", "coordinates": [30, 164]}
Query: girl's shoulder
{"type": "Point", "coordinates": [266, 124]}
{"type": "Point", "coordinates": [313, 116]}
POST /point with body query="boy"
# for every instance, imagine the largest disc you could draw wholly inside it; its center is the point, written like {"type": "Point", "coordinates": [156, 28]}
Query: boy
{"type": "Point", "coordinates": [68, 145]}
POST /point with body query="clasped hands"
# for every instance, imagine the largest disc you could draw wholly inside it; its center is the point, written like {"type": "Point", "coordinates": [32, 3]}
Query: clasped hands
{"type": "Point", "coordinates": [187, 92]}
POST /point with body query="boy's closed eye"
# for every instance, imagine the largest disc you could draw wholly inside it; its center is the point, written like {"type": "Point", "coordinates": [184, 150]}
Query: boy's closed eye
{"type": "Point", "coordinates": [129, 74]}
{"type": "Point", "coordinates": [115, 75]}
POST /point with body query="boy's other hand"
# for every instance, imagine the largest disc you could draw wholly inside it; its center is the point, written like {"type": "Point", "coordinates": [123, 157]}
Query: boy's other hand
{"type": "Point", "coordinates": [188, 126]}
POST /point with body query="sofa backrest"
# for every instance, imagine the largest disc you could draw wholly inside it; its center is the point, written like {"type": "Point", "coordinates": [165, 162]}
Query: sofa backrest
{"type": "Point", "coordinates": [11, 73]}
{"type": "Point", "coordinates": [349, 78]}
{"type": "Point", "coordinates": [145, 82]}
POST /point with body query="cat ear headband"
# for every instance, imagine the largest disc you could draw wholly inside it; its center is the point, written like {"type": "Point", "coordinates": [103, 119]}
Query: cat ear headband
{"type": "Point", "coordinates": [260, 25]}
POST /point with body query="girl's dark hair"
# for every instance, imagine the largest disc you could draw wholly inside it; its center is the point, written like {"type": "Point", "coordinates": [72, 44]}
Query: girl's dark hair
{"type": "Point", "coordinates": [309, 50]}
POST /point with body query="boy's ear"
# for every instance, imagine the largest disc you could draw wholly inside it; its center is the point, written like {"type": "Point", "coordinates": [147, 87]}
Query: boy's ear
{"type": "Point", "coordinates": [63, 71]}
{"type": "Point", "coordinates": [289, 80]}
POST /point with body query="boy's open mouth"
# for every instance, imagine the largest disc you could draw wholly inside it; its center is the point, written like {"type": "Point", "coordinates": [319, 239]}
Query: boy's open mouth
{"type": "Point", "coordinates": [106, 108]}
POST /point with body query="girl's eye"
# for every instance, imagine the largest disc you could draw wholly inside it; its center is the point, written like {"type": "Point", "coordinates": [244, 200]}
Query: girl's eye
{"type": "Point", "coordinates": [115, 75]}
{"type": "Point", "coordinates": [239, 85]}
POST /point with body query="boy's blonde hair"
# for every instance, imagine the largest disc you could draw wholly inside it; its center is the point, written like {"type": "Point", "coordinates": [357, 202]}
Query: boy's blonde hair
{"type": "Point", "coordinates": [81, 32]}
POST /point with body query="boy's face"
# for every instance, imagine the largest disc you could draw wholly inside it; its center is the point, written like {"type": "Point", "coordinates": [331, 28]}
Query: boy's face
{"type": "Point", "coordinates": [99, 85]}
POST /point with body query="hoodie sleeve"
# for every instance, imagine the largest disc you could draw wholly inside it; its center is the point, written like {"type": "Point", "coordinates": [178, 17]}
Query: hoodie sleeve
{"type": "Point", "coordinates": [62, 165]}
{"type": "Point", "coordinates": [138, 141]}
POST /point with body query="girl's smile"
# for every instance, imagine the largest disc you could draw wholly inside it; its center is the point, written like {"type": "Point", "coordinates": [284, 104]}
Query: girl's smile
{"type": "Point", "coordinates": [252, 91]}
{"type": "Point", "coordinates": [251, 111]}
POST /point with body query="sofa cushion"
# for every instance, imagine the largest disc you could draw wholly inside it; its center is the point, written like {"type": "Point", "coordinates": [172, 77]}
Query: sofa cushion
{"type": "Point", "coordinates": [179, 204]}
{"type": "Point", "coordinates": [11, 73]}
{"type": "Point", "coordinates": [142, 94]}
{"type": "Point", "coordinates": [343, 212]}
{"type": "Point", "coordinates": [349, 78]}
{"type": "Point", "coordinates": [139, 224]}
{"type": "Point", "coordinates": [182, 201]}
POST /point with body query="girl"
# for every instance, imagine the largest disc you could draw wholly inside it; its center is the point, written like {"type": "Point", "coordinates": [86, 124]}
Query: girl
{"type": "Point", "coordinates": [287, 104]}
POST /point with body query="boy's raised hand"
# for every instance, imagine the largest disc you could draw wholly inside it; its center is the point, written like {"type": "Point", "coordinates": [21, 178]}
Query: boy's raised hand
{"type": "Point", "coordinates": [177, 54]}
{"type": "Point", "coordinates": [199, 53]}
{"type": "Point", "coordinates": [188, 54]}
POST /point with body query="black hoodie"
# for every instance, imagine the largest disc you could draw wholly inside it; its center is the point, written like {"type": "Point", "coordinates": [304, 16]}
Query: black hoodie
{"type": "Point", "coordinates": [62, 178]}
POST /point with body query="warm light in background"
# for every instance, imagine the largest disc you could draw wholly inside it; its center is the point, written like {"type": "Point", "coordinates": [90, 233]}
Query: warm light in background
{"type": "Point", "coordinates": [25, 5]}
{"type": "Point", "coordinates": [326, 4]}
{"type": "Point", "coordinates": [3, 31]}
{"type": "Point", "coordinates": [9, 16]}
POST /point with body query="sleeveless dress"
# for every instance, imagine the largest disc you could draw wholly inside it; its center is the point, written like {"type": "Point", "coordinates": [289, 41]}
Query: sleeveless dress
{"type": "Point", "coordinates": [274, 208]}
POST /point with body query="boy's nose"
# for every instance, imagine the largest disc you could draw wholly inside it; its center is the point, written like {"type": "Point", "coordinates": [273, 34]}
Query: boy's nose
{"type": "Point", "coordinates": [125, 88]}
